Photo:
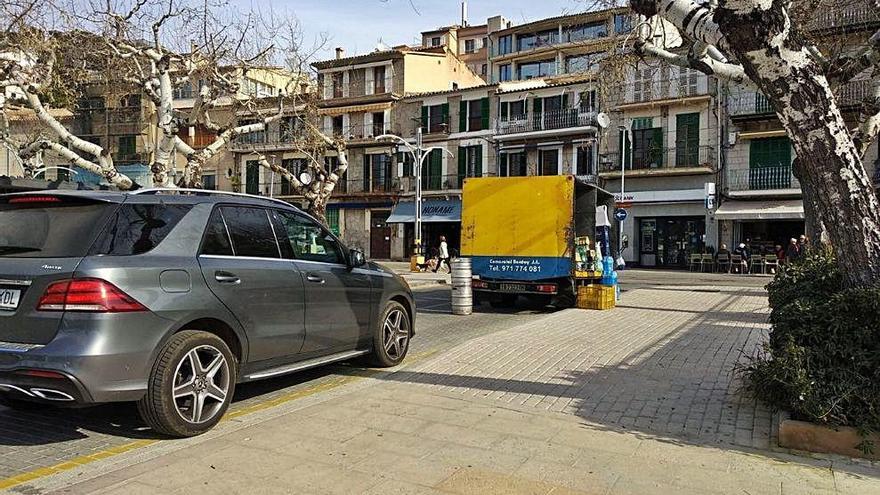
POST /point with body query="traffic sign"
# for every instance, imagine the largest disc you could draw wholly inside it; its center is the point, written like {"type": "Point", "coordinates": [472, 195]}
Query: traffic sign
{"type": "Point", "coordinates": [620, 214]}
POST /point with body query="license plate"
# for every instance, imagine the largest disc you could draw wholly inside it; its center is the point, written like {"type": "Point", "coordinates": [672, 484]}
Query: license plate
{"type": "Point", "coordinates": [512, 287]}
{"type": "Point", "coordinates": [9, 298]}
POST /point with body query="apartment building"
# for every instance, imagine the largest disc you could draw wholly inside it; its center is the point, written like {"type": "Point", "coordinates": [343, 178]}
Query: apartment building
{"type": "Point", "coordinates": [358, 102]}
{"type": "Point", "coordinates": [762, 200]}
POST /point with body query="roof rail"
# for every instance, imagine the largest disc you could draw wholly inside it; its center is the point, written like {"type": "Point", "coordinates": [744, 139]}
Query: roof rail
{"type": "Point", "coordinates": [204, 192]}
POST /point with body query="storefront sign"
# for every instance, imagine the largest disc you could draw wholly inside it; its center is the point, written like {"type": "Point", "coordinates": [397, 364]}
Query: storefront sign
{"type": "Point", "coordinates": [670, 196]}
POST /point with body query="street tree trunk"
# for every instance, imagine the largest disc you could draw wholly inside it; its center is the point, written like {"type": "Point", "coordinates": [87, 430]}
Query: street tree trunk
{"type": "Point", "coordinates": [760, 36]}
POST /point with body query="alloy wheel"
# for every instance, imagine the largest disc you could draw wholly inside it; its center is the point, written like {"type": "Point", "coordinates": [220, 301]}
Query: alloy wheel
{"type": "Point", "coordinates": [395, 334]}
{"type": "Point", "coordinates": [201, 384]}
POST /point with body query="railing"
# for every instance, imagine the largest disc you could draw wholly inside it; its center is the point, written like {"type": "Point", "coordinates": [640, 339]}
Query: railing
{"type": "Point", "coordinates": [762, 178]}
{"type": "Point", "coordinates": [661, 158]}
{"type": "Point", "coordinates": [439, 182]}
{"type": "Point", "coordinates": [662, 89]}
{"type": "Point", "coordinates": [840, 17]}
{"type": "Point", "coordinates": [743, 102]}
{"type": "Point", "coordinates": [360, 131]}
{"type": "Point", "coordinates": [551, 39]}
{"type": "Point", "coordinates": [551, 120]}
{"type": "Point", "coordinates": [263, 140]}
{"type": "Point", "coordinates": [358, 88]}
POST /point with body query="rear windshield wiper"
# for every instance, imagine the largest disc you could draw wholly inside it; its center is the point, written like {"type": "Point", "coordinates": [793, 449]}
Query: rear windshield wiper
{"type": "Point", "coordinates": [17, 249]}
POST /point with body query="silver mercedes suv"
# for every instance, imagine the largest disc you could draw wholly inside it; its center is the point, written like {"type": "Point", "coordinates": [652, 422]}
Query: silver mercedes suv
{"type": "Point", "coordinates": [172, 297]}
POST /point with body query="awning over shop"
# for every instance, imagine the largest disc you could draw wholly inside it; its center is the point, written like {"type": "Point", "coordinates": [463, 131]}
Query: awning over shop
{"type": "Point", "coordinates": [370, 107]}
{"type": "Point", "coordinates": [761, 210]}
{"type": "Point", "coordinates": [433, 210]}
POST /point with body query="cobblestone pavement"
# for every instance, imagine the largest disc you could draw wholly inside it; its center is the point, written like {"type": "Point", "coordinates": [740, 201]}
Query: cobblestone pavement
{"type": "Point", "coordinates": [33, 440]}
{"type": "Point", "coordinates": [662, 363]}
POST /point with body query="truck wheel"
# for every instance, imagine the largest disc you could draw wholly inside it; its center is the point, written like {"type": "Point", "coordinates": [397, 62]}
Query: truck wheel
{"type": "Point", "coordinates": [190, 386]}
{"type": "Point", "coordinates": [507, 301]}
{"type": "Point", "coordinates": [538, 301]}
{"type": "Point", "coordinates": [566, 298]}
{"type": "Point", "coordinates": [391, 336]}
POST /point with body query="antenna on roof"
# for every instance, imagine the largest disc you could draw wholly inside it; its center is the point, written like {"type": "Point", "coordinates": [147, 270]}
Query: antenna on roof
{"type": "Point", "coordinates": [464, 15]}
{"type": "Point", "coordinates": [381, 46]}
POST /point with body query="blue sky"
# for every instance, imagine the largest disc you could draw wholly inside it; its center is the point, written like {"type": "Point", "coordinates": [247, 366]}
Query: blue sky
{"type": "Point", "coordinates": [357, 25]}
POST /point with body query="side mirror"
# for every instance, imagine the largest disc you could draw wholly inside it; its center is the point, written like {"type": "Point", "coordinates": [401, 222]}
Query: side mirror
{"type": "Point", "coordinates": [625, 241]}
{"type": "Point", "coordinates": [356, 258]}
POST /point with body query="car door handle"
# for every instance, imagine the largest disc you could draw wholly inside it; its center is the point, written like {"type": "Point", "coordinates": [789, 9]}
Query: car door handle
{"type": "Point", "coordinates": [226, 278]}
{"type": "Point", "coordinates": [311, 277]}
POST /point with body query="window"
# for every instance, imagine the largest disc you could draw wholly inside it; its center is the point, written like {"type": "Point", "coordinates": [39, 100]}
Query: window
{"type": "Point", "coordinates": [541, 68]}
{"type": "Point", "coordinates": [309, 241]}
{"type": "Point", "coordinates": [583, 63]}
{"type": "Point", "coordinates": [622, 23]}
{"type": "Point", "coordinates": [504, 73]}
{"type": "Point", "coordinates": [470, 162]}
{"type": "Point", "coordinates": [337, 80]}
{"type": "Point", "coordinates": [470, 46]}
{"type": "Point", "coordinates": [136, 229]}
{"type": "Point", "coordinates": [505, 44]}
{"type": "Point", "coordinates": [552, 104]}
{"type": "Point", "coordinates": [379, 80]}
{"type": "Point", "coordinates": [592, 30]}
{"type": "Point", "coordinates": [216, 239]}
{"type": "Point", "coordinates": [378, 123]}
{"type": "Point", "coordinates": [513, 164]}
{"type": "Point", "coordinates": [379, 176]}
{"type": "Point", "coordinates": [687, 140]}
{"type": "Point", "coordinates": [549, 162]}
{"type": "Point", "coordinates": [250, 231]}
{"type": "Point", "coordinates": [127, 146]}
{"type": "Point", "coordinates": [647, 148]}
{"type": "Point", "coordinates": [405, 159]}
{"type": "Point", "coordinates": [643, 85]}
{"type": "Point", "coordinates": [435, 118]}
{"type": "Point", "coordinates": [484, 69]}
{"type": "Point", "coordinates": [513, 110]}
{"type": "Point", "coordinates": [130, 101]}
{"type": "Point", "coordinates": [253, 137]}
{"type": "Point", "coordinates": [584, 157]}
{"type": "Point", "coordinates": [770, 163]}
{"type": "Point", "coordinates": [435, 41]}
{"type": "Point", "coordinates": [589, 101]}
{"type": "Point", "coordinates": [338, 124]}
{"type": "Point", "coordinates": [295, 166]}
{"type": "Point", "coordinates": [688, 82]}
{"type": "Point", "coordinates": [333, 220]}
{"type": "Point", "coordinates": [290, 127]}
{"type": "Point", "coordinates": [525, 42]}
{"type": "Point", "coordinates": [252, 177]}
{"type": "Point", "coordinates": [209, 182]}
{"type": "Point", "coordinates": [184, 91]}
{"type": "Point", "coordinates": [50, 230]}
{"type": "Point", "coordinates": [475, 115]}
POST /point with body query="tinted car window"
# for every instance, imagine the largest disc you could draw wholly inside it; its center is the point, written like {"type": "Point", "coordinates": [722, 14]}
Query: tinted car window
{"type": "Point", "coordinates": [57, 229]}
{"type": "Point", "coordinates": [216, 237]}
{"type": "Point", "coordinates": [137, 229]}
{"type": "Point", "coordinates": [310, 241]}
{"type": "Point", "coordinates": [251, 232]}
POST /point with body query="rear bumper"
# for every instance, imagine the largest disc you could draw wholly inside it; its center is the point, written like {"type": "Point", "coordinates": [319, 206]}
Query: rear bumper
{"type": "Point", "coordinates": [102, 358]}
{"type": "Point", "coordinates": [549, 288]}
{"type": "Point", "coordinates": [38, 386]}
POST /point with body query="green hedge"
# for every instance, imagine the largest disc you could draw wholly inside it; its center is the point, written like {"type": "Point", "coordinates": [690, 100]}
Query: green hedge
{"type": "Point", "coordinates": [822, 361]}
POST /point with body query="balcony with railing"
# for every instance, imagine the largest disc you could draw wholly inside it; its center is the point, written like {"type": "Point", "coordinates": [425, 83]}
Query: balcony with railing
{"type": "Point", "coordinates": [554, 120]}
{"type": "Point", "coordinates": [661, 160]}
{"type": "Point", "coordinates": [844, 17]}
{"type": "Point", "coordinates": [357, 132]}
{"type": "Point", "coordinates": [688, 84]}
{"type": "Point", "coordinates": [357, 88]}
{"type": "Point", "coordinates": [744, 103]}
{"type": "Point", "coordinates": [778, 179]}
{"type": "Point", "coordinates": [271, 140]}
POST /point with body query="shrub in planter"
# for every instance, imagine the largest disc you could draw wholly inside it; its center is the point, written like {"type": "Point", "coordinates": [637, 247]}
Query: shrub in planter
{"type": "Point", "coordinates": [822, 362]}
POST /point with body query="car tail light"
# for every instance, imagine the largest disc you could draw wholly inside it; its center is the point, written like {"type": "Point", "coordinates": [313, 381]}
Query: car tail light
{"type": "Point", "coordinates": [479, 284]}
{"type": "Point", "coordinates": [41, 374]}
{"type": "Point", "coordinates": [34, 199]}
{"type": "Point", "coordinates": [87, 294]}
{"type": "Point", "coordinates": [546, 288]}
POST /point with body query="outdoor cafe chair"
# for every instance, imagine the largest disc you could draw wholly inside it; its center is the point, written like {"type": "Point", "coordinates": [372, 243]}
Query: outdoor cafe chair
{"type": "Point", "coordinates": [723, 261]}
{"type": "Point", "coordinates": [737, 263]}
{"type": "Point", "coordinates": [708, 261]}
{"type": "Point", "coordinates": [771, 261]}
{"type": "Point", "coordinates": [695, 260]}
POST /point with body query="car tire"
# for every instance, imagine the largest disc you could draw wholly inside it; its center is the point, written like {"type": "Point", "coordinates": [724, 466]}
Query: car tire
{"type": "Point", "coordinates": [391, 336]}
{"type": "Point", "coordinates": [190, 386]}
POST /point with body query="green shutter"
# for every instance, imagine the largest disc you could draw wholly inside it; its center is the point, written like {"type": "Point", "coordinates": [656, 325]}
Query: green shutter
{"type": "Point", "coordinates": [687, 139]}
{"type": "Point", "coordinates": [484, 111]}
{"type": "Point", "coordinates": [504, 110]}
{"type": "Point", "coordinates": [333, 220]}
{"type": "Point", "coordinates": [642, 123]}
{"type": "Point", "coordinates": [462, 164]}
{"type": "Point", "coordinates": [366, 173]}
{"type": "Point", "coordinates": [478, 169]}
{"type": "Point", "coordinates": [657, 146]}
{"type": "Point", "coordinates": [425, 117]}
{"type": "Point", "coordinates": [537, 104]}
{"type": "Point", "coordinates": [444, 114]}
{"type": "Point", "coordinates": [565, 101]}
{"type": "Point", "coordinates": [462, 116]}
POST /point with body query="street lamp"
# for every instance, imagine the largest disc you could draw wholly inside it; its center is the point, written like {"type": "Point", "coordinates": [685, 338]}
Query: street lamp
{"type": "Point", "coordinates": [627, 143]}
{"type": "Point", "coordinates": [419, 154]}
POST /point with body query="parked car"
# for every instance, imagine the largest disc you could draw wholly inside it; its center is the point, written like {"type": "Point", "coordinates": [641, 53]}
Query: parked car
{"type": "Point", "coordinates": [172, 297]}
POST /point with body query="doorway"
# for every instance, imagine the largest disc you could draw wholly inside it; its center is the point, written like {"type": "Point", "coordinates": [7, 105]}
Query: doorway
{"type": "Point", "coordinates": [380, 235]}
{"type": "Point", "coordinates": [667, 242]}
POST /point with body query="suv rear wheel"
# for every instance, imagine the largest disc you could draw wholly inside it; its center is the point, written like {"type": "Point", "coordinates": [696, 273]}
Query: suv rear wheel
{"type": "Point", "coordinates": [391, 336]}
{"type": "Point", "coordinates": [191, 385]}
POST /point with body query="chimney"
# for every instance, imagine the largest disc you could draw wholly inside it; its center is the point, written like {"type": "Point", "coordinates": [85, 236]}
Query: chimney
{"type": "Point", "coordinates": [464, 21]}
{"type": "Point", "coordinates": [340, 52]}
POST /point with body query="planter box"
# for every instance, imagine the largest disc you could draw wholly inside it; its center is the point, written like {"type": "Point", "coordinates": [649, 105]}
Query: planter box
{"type": "Point", "coordinates": [811, 437]}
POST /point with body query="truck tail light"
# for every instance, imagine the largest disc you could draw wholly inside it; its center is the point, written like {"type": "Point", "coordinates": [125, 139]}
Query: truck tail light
{"type": "Point", "coordinates": [88, 295]}
{"type": "Point", "coordinates": [479, 284]}
{"type": "Point", "coordinates": [546, 288]}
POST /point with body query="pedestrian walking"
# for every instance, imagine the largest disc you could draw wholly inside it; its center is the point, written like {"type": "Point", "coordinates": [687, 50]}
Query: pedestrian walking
{"type": "Point", "coordinates": [443, 256]}
{"type": "Point", "coordinates": [743, 251]}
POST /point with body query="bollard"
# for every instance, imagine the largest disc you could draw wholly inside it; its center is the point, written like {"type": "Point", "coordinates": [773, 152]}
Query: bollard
{"type": "Point", "coordinates": [462, 294]}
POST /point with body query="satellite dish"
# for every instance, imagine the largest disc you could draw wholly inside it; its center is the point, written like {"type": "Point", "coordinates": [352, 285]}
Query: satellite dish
{"type": "Point", "coordinates": [603, 120]}
{"type": "Point", "coordinates": [305, 178]}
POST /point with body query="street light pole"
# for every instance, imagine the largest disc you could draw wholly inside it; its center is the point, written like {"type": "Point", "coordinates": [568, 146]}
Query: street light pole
{"type": "Point", "coordinates": [418, 205]}
{"type": "Point", "coordinates": [626, 146]}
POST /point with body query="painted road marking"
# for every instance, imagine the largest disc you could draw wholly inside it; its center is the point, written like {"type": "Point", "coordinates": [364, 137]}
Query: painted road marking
{"type": "Point", "coordinates": [76, 462]}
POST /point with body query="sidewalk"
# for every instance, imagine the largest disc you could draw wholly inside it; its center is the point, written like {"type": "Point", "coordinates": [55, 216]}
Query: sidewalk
{"type": "Point", "coordinates": [417, 279]}
{"type": "Point", "coordinates": [638, 400]}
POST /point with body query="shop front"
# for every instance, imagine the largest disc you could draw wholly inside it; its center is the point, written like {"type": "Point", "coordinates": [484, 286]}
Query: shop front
{"type": "Point", "coordinates": [440, 217]}
{"type": "Point", "coordinates": [762, 224]}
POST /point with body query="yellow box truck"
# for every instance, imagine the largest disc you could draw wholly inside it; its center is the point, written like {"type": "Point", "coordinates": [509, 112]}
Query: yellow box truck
{"type": "Point", "coordinates": [520, 234]}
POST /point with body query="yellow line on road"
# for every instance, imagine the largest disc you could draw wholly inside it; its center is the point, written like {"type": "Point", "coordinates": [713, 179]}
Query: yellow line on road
{"type": "Point", "coordinates": [19, 479]}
